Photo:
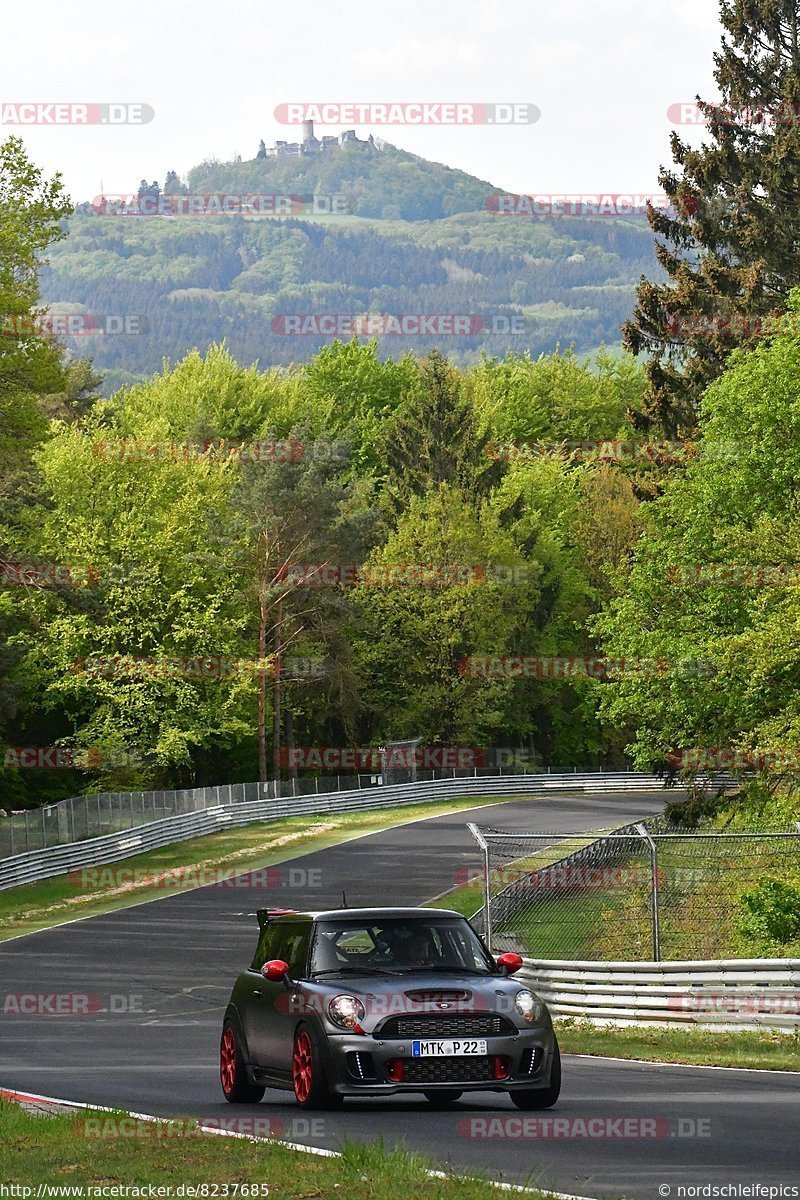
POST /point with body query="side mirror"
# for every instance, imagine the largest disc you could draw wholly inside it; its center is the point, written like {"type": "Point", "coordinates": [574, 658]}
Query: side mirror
{"type": "Point", "coordinates": [510, 962]}
{"type": "Point", "coordinates": [276, 969]}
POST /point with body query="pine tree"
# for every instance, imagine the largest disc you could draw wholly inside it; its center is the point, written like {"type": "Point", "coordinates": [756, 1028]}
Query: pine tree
{"type": "Point", "coordinates": [432, 438]}
{"type": "Point", "coordinates": [730, 239]}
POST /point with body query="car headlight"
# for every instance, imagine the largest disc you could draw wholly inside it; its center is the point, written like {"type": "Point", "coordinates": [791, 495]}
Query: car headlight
{"type": "Point", "coordinates": [346, 1011]}
{"type": "Point", "coordinates": [528, 1006]}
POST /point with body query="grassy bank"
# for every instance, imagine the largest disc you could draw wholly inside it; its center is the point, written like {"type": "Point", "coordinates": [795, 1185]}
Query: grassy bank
{"type": "Point", "coordinates": [179, 867]}
{"type": "Point", "coordinates": [56, 1150]}
{"type": "Point", "coordinates": [767, 1049]}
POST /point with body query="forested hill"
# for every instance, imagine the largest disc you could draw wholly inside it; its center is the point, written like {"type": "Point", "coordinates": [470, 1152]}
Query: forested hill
{"type": "Point", "coordinates": [158, 286]}
{"type": "Point", "coordinates": [385, 183]}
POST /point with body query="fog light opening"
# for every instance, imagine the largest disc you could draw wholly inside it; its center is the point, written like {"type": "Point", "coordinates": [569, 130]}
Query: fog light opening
{"type": "Point", "coordinates": [395, 1070]}
{"type": "Point", "coordinates": [501, 1066]}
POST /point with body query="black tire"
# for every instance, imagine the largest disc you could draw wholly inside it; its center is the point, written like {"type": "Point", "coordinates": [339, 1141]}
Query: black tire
{"type": "Point", "coordinates": [236, 1087]}
{"type": "Point", "coordinates": [443, 1099]}
{"type": "Point", "coordinates": [533, 1098]}
{"type": "Point", "coordinates": [309, 1078]}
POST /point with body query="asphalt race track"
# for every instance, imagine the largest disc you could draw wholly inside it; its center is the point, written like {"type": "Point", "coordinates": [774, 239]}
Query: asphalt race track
{"type": "Point", "coordinates": [159, 977]}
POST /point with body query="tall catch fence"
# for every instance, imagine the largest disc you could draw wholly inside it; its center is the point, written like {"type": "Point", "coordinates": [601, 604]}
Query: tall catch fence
{"type": "Point", "coordinates": [642, 892]}
{"type": "Point", "coordinates": [102, 813]}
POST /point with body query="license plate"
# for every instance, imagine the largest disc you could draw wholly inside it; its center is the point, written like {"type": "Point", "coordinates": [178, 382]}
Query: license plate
{"type": "Point", "coordinates": [447, 1048]}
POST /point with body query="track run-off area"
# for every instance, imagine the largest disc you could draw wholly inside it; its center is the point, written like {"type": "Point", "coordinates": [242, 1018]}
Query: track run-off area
{"type": "Point", "coordinates": [158, 976]}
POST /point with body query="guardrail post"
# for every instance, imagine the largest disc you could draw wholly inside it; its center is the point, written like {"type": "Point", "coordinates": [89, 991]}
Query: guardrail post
{"type": "Point", "coordinates": [653, 890]}
{"type": "Point", "coordinates": [487, 907]}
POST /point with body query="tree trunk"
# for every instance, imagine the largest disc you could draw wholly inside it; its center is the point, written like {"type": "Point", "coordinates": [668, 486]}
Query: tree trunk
{"type": "Point", "coordinates": [289, 723]}
{"type": "Point", "coordinates": [276, 715]}
{"type": "Point", "coordinates": [262, 690]}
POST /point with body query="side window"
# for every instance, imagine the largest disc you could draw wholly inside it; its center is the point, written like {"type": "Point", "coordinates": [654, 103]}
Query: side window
{"type": "Point", "coordinates": [266, 947]}
{"type": "Point", "coordinates": [292, 946]}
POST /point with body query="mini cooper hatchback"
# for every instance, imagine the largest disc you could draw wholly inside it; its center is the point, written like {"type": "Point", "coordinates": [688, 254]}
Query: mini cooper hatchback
{"type": "Point", "coordinates": [372, 1002]}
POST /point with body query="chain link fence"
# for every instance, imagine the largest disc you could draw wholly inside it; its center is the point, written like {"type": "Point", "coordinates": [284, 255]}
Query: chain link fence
{"type": "Point", "coordinates": [643, 892]}
{"type": "Point", "coordinates": [100, 813]}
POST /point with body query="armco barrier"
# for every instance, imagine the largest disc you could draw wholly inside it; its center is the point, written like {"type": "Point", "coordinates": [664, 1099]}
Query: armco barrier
{"type": "Point", "coordinates": [723, 993]}
{"type": "Point", "coordinates": [56, 860]}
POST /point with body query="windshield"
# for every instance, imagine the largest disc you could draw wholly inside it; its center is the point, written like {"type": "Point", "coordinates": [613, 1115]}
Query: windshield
{"type": "Point", "coordinates": [399, 945]}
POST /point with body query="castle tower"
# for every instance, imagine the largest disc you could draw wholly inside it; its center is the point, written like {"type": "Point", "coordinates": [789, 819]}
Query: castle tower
{"type": "Point", "coordinates": [308, 131]}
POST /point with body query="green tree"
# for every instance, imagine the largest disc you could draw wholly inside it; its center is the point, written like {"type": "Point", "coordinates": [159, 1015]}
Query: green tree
{"type": "Point", "coordinates": [413, 637]}
{"type": "Point", "coordinates": [288, 519]}
{"type": "Point", "coordinates": [729, 242]}
{"type": "Point", "coordinates": [711, 587]}
{"type": "Point", "coordinates": [432, 438]}
{"type": "Point", "coordinates": [31, 210]}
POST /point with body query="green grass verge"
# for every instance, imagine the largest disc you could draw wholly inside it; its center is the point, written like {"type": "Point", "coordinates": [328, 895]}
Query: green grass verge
{"type": "Point", "coordinates": [55, 1150]}
{"type": "Point", "coordinates": [768, 1049]}
{"type": "Point", "coordinates": [147, 876]}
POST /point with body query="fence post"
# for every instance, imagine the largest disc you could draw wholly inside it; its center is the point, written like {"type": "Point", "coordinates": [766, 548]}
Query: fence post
{"type": "Point", "coordinates": [653, 890]}
{"type": "Point", "coordinates": [487, 907]}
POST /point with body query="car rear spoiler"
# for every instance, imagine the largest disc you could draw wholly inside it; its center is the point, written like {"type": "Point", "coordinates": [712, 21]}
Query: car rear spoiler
{"type": "Point", "coordinates": [265, 915]}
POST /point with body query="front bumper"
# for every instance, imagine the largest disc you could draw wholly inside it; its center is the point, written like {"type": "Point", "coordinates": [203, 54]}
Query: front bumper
{"type": "Point", "coordinates": [361, 1065]}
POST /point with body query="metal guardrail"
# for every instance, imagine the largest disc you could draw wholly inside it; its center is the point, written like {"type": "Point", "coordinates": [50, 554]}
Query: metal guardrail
{"type": "Point", "coordinates": [722, 993]}
{"type": "Point", "coordinates": [55, 860]}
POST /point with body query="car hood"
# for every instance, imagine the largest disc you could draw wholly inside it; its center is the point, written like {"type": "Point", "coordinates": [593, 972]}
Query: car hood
{"type": "Point", "coordinates": [418, 994]}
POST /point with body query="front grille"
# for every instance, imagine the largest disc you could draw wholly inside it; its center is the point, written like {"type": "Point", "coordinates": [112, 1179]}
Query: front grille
{"type": "Point", "coordinates": [432, 1025]}
{"type": "Point", "coordinates": [469, 1069]}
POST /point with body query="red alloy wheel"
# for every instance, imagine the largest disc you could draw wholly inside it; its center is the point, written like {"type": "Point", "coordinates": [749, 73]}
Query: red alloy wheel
{"type": "Point", "coordinates": [227, 1060]}
{"type": "Point", "coordinates": [302, 1066]}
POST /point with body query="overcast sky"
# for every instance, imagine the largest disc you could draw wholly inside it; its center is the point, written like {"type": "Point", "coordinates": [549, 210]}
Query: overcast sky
{"type": "Point", "coordinates": [603, 76]}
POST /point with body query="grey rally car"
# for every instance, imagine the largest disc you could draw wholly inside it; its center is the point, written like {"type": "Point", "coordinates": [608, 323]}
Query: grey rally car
{"type": "Point", "coordinates": [370, 1002]}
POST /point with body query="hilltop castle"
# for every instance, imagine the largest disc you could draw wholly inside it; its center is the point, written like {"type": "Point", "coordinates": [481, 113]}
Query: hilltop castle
{"type": "Point", "coordinates": [312, 145]}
